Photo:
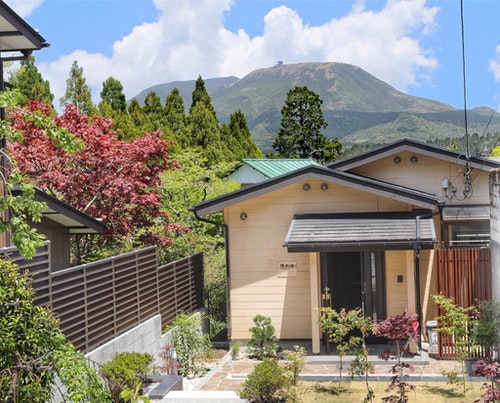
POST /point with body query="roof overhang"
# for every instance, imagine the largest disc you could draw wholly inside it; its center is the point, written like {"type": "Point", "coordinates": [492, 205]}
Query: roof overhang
{"type": "Point", "coordinates": [417, 147]}
{"type": "Point", "coordinates": [373, 186]}
{"type": "Point", "coordinates": [17, 38]}
{"type": "Point", "coordinates": [466, 213]}
{"type": "Point", "coordinates": [356, 232]}
{"type": "Point", "coordinates": [74, 220]}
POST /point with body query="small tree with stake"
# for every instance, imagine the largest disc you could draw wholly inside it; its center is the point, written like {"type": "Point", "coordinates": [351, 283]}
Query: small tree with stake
{"type": "Point", "coordinates": [399, 329]}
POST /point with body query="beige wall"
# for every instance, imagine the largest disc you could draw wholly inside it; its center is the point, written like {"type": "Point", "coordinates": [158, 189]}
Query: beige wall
{"type": "Point", "coordinates": [258, 286]}
{"type": "Point", "coordinates": [426, 175]}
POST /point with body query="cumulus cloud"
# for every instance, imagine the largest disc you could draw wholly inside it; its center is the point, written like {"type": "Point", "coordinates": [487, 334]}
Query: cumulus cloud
{"type": "Point", "coordinates": [24, 7]}
{"type": "Point", "coordinates": [189, 38]}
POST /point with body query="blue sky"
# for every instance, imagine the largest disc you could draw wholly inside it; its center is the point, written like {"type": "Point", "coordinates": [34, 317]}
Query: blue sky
{"type": "Point", "coordinates": [414, 45]}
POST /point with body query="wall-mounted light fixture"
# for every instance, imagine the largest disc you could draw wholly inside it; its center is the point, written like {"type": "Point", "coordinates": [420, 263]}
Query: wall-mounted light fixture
{"type": "Point", "coordinates": [414, 159]}
{"type": "Point", "coordinates": [397, 159]}
{"type": "Point", "coordinates": [306, 186]}
{"type": "Point", "coordinates": [243, 216]}
{"type": "Point", "coordinates": [324, 186]}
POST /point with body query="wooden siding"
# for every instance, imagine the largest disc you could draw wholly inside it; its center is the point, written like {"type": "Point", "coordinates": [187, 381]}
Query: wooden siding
{"type": "Point", "coordinates": [396, 293]}
{"type": "Point", "coordinates": [426, 175]}
{"type": "Point", "coordinates": [256, 251]}
{"type": "Point", "coordinates": [464, 275]}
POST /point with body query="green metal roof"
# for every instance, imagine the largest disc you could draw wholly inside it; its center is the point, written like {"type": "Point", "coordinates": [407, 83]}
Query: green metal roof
{"type": "Point", "coordinates": [276, 167]}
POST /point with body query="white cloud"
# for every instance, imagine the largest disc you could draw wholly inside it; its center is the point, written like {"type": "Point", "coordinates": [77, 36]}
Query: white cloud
{"type": "Point", "coordinates": [189, 38]}
{"type": "Point", "coordinates": [24, 7]}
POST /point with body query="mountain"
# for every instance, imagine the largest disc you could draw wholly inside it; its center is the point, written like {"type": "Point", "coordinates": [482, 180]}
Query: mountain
{"type": "Point", "coordinates": [358, 107]}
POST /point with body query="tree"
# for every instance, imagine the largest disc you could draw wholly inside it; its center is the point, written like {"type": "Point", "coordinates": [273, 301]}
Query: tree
{"type": "Point", "coordinates": [200, 95]}
{"type": "Point", "coordinates": [114, 180]}
{"type": "Point", "coordinates": [33, 349]}
{"type": "Point", "coordinates": [30, 83]}
{"type": "Point", "coordinates": [239, 139]}
{"type": "Point", "coordinates": [112, 94]}
{"type": "Point", "coordinates": [204, 134]}
{"type": "Point", "coordinates": [175, 118]}
{"type": "Point", "coordinates": [153, 112]}
{"type": "Point", "coordinates": [301, 122]}
{"type": "Point", "coordinates": [77, 91]}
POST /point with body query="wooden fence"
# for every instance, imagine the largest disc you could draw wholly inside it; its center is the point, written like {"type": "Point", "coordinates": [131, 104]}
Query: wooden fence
{"type": "Point", "coordinates": [96, 302]}
{"type": "Point", "coordinates": [464, 274]}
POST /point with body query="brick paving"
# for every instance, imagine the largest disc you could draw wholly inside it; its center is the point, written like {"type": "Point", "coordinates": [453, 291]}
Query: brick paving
{"type": "Point", "coordinates": [229, 375]}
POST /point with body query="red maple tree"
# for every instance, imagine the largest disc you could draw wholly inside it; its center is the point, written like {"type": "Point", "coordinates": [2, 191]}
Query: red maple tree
{"type": "Point", "coordinates": [107, 178]}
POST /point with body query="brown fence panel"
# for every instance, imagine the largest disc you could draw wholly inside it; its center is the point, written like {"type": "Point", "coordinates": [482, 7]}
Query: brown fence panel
{"type": "Point", "coordinates": [464, 274]}
{"type": "Point", "coordinates": [98, 301]}
{"type": "Point", "coordinates": [181, 287]}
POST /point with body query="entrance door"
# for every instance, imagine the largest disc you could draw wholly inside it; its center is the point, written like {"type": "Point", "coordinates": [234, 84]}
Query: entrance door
{"type": "Point", "coordinates": [354, 280]}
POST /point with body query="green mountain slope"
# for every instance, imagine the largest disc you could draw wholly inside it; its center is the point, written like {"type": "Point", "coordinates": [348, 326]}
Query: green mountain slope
{"type": "Point", "coordinates": [358, 107]}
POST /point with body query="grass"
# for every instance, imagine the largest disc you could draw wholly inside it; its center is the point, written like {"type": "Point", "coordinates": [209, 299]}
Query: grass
{"type": "Point", "coordinates": [435, 392]}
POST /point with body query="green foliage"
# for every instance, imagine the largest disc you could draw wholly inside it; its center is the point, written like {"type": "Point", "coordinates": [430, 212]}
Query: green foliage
{"type": "Point", "coordinates": [125, 373]}
{"type": "Point", "coordinates": [296, 361]}
{"type": "Point", "coordinates": [33, 350]}
{"type": "Point", "coordinates": [301, 123]}
{"type": "Point", "coordinates": [458, 322]}
{"type": "Point", "coordinates": [191, 344]}
{"type": "Point", "coordinates": [238, 137]}
{"type": "Point", "coordinates": [77, 91]}
{"type": "Point", "coordinates": [200, 96]}
{"type": "Point", "coordinates": [235, 350]}
{"type": "Point", "coordinates": [30, 83]}
{"type": "Point", "coordinates": [486, 333]}
{"type": "Point", "coordinates": [267, 383]}
{"type": "Point", "coordinates": [112, 94]}
{"type": "Point", "coordinates": [262, 344]}
{"type": "Point", "coordinates": [347, 329]}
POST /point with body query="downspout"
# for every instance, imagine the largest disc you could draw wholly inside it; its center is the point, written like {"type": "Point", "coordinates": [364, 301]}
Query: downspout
{"type": "Point", "coordinates": [226, 245]}
{"type": "Point", "coordinates": [418, 246]}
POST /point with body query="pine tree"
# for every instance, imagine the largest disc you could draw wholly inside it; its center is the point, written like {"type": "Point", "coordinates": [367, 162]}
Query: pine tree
{"type": "Point", "coordinates": [239, 139]}
{"type": "Point", "coordinates": [28, 80]}
{"type": "Point", "coordinates": [301, 123]}
{"type": "Point", "coordinates": [78, 92]}
{"type": "Point", "coordinates": [153, 112]}
{"type": "Point", "coordinates": [175, 117]}
{"type": "Point", "coordinates": [112, 94]}
{"type": "Point", "coordinates": [200, 94]}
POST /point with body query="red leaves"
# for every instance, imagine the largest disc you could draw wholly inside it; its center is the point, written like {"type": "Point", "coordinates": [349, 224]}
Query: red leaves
{"type": "Point", "coordinates": [107, 178]}
{"type": "Point", "coordinates": [400, 327]}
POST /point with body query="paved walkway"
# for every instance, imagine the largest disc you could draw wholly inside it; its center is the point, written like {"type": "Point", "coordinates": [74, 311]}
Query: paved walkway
{"type": "Point", "coordinates": [230, 374]}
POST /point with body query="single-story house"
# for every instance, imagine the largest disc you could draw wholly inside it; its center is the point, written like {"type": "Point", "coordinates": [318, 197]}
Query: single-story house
{"type": "Point", "coordinates": [361, 232]}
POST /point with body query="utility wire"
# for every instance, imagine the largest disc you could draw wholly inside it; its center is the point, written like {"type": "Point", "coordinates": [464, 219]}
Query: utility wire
{"type": "Point", "coordinates": [464, 81]}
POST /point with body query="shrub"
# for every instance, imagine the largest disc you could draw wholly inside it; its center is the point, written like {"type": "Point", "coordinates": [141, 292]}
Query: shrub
{"type": "Point", "coordinates": [191, 344]}
{"type": "Point", "coordinates": [263, 341]}
{"type": "Point", "coordinates": [486, 332]}
{"type": "Point", "coordinates": [490, 369]}
{"type": "Point", "coordinates": [267, 383]}
{"type": "Point", "coordinates": [398, 328]}
{"type": "Point", "coordinates": [458, 322]}
{"type": "Point", "coordinates": [126, 371]}
{"type": "Point", "coordinates": [296, 361]}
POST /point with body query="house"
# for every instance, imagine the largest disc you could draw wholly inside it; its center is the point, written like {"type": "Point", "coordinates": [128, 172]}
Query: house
{"type": "Point", "coordinates": [364, 231]}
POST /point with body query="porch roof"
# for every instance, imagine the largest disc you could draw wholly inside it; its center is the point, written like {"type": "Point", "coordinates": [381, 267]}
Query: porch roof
{"type": "Point", "coordinates": [466, 213]}
{"type": "Point", "coordinates": [349, 232]}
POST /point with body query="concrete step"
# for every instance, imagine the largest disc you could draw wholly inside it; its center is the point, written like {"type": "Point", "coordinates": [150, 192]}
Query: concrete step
{"type": "Point", "coordinates": [208, 396]}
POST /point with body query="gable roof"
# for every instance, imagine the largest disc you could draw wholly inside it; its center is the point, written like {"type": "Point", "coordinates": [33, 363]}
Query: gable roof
{"type": "Point", "coordinates": [373, 186]}
{"type": "Point", "coordinates": [411, 145]}
{"type": "Point", "coordinates": [271, 168]}
{"type": "Point", "coordinates": [16, 35]}
{"type": "Point", "coordinates": [74, 220]}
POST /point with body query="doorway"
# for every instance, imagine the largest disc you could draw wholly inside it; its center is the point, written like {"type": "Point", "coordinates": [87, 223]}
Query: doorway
{"type": "Point", "coordinates": [354, 280]}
